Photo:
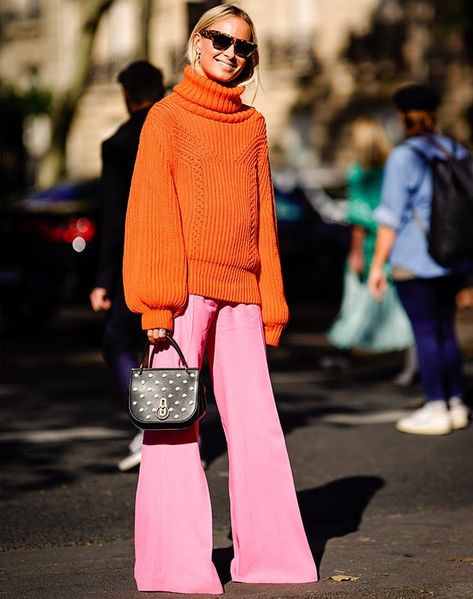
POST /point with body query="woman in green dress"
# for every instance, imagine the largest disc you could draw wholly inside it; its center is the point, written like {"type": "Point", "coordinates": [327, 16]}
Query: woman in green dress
{"type": "Point", "coordinates": [363, 322]}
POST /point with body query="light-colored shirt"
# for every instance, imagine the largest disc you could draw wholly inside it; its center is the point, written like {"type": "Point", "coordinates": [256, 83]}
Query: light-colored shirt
{"type": "Point", "coordinates": [406, 202]}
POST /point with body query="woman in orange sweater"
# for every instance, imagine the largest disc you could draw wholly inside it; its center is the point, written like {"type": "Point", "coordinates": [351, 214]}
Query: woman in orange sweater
{"type": "Point", "coordinates": [201, 260]}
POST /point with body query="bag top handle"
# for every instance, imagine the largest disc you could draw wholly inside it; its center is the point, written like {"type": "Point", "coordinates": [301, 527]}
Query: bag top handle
{"type": "Point", "coordinates": [145, 356]}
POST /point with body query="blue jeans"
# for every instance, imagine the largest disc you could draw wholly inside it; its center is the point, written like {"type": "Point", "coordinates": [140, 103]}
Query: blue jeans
{"type": "Point", "coordinates": [430, 306]}
{"type": "Point", "coordinates": [123, 340]}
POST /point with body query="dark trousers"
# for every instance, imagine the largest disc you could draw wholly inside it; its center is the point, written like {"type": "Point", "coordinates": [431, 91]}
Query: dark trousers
{"type": "Point", "coordinates": [123, 339]}
{"type": "Point", "coordinates": [430, 306]}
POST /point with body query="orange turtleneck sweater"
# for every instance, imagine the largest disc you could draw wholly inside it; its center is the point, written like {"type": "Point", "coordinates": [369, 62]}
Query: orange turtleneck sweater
{"type": "Point", "coordinates": [201, 214]}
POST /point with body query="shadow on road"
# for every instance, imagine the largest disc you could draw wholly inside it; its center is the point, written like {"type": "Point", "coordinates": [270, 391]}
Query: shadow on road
{"type": "Point", "coordinates": [334, 510]}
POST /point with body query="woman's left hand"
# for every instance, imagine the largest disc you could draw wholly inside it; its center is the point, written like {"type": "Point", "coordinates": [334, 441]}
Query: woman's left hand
{"type": "Point", "coordinates": [377, 283]}
{"type": "Point", "coordinates": [155, 335]}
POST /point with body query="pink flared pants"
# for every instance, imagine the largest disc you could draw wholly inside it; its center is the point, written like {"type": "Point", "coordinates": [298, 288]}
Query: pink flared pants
{"type": "Point", "coordinates": [173, 524]}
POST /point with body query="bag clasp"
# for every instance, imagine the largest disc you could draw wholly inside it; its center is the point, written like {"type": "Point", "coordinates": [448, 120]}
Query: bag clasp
{"type": "Point", "coordinates": [163, 410]}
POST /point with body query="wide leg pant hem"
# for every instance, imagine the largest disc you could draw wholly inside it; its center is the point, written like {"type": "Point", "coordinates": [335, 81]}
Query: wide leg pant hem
{"type": "Point", "coordinates": [267, 580]}
{"type": "Point", "coordinates": [173, 589]}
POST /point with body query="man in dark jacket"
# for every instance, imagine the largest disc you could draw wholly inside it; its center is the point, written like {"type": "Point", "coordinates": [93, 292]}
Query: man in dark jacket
{"type": "Point", "coordinates": [142, 86]}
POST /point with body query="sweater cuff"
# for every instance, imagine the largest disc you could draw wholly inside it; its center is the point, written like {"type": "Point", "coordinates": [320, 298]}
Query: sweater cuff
{"type": "Point", "coordinates": [157, 319]}
{"type": "Point", "coordinates": [272, 333]}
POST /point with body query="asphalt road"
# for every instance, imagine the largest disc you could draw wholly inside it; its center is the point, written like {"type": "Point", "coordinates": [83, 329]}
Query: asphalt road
{"type": "Point", "coordinates": [392, 511]}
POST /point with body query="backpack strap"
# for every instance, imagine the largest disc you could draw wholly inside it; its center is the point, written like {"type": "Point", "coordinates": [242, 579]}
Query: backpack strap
{"type": "Point", "coordinates": [441, 148]}
{"type": "Point", "coordinates": [415, 216]}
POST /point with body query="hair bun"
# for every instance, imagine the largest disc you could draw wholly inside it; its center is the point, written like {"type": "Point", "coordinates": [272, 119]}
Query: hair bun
{"type": "Point", "coordinates": [416, 97]}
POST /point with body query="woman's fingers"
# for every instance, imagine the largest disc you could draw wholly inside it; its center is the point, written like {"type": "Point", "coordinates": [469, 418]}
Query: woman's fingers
{"type": "Point", "coordinates": [382, 287]}
{"type": "Point", "coordinates": [155, 335]}
{"type": "Point", "coordinates": [377, 284]}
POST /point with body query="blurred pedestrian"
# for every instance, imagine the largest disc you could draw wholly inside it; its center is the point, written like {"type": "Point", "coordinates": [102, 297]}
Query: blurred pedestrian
{"type": "Point", "coordinates": [426, 289]}
{"type": "Point", "coordinates": [203, 262]}
{"type": "Point", "coordinates": [464, 299]}
{"type": "Point", "coordinates": [363, 322]}
{"type": "Point", "coordinates": [142, 86]}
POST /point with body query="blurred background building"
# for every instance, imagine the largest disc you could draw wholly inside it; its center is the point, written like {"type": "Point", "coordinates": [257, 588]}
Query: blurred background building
{"type": "Point", "coordinates": [323, 62]}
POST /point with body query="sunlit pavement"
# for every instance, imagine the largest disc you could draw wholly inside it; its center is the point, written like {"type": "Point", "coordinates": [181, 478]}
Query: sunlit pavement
{"type": "Point", "coordinates": [391, 513]}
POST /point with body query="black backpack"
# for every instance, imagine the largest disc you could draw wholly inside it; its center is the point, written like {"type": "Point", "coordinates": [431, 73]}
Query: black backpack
{"type": "Point", "coordinates": [450, 236]}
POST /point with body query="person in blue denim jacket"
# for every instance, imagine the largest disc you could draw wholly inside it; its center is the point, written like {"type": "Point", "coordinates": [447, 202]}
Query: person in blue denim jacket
{"type": "Point", "coordinates": [426, 289]}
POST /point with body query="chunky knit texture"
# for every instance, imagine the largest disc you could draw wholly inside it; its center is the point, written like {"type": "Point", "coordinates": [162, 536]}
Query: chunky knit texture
{"type": "Point", "coordinates": [201, 214]}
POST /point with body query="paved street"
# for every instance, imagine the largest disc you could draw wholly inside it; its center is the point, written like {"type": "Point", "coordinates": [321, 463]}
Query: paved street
{"type": "Point", "coordinates": [392, 511]}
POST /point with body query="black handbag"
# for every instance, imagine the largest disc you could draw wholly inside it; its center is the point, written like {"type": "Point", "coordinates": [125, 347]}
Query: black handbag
{"type": "Point", "coordinates": [165, 398]}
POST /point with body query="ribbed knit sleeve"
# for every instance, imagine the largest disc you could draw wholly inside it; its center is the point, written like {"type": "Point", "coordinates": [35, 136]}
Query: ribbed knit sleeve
{"type": "Point", "coordinates": [154, 265]}
{"type": "Point", "coordinates": [273, 303]}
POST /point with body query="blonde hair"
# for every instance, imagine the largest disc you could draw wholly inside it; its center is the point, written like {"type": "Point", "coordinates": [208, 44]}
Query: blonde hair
{"type": "Point", "coordinates": [418, 121]}
{"type": "Point", "coordinates": [249, 73]}
{"type": "Point", "coordinates": [370, 143]}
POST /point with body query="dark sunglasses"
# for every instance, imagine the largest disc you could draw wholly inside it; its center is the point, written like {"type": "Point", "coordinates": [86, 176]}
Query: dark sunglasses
{"type": "Point", "coordinates": [223, 41]}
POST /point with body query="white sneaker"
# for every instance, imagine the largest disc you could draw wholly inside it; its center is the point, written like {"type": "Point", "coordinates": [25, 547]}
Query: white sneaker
{"type": "Point", "coordinates": [136, 442]}
{"type": "Point", "coordinates": [432, 419]}
{"type": "Point", "coordinates": [459, 413]}
{"type": "Point", "coordinates": [131, 460]}
{"type": "Point", "coordinates": [134, 457]}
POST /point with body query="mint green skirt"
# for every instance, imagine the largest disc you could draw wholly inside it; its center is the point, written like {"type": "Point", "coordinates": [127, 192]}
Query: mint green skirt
{"type": "Point", "coordinates": [367, 324]}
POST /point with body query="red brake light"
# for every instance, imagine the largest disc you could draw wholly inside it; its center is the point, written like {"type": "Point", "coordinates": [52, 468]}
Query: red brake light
{"type": "Point", "coordinates": [76, 227]}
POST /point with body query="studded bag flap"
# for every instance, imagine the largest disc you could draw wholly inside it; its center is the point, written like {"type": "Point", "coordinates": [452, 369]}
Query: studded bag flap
{"type": "Point", "coordinates": [165, 398]}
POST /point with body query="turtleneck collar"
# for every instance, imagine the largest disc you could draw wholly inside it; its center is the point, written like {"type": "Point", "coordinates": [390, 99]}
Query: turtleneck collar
{"type": "Point", "coordinates": [209, 94]}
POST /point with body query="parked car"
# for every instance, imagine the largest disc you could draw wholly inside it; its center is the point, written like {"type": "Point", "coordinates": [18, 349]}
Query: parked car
{"type": "Point", "coordinates": [49, 249]}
